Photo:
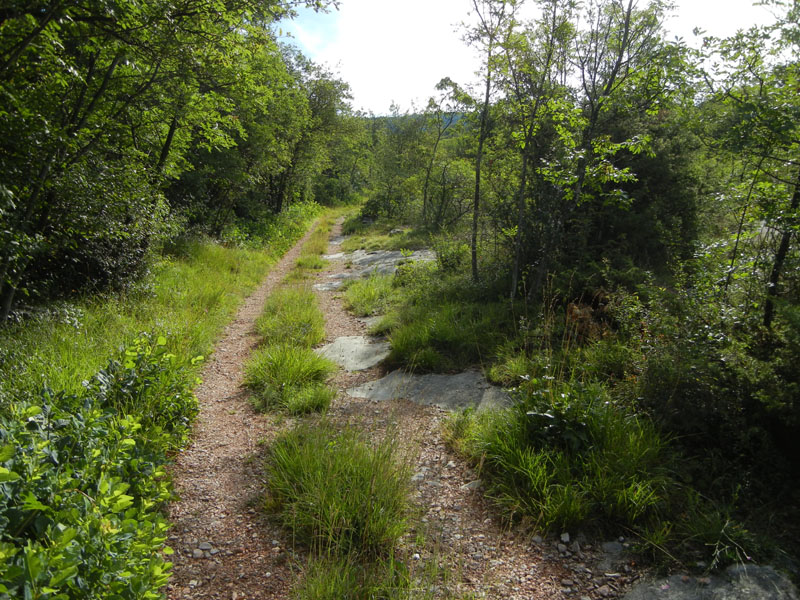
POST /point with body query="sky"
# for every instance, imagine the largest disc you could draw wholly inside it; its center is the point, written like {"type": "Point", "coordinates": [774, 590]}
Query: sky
{"type": "Point", "coordinates": [398, 50]}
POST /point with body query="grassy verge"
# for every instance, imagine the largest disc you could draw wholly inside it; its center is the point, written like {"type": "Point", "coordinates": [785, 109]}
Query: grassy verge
{"type": "Point", "coordinates": [91, 410]}
{"type": "Point", "coordinates": [580, 449]}
{"type": "Point", "coordinates": [193, 291]}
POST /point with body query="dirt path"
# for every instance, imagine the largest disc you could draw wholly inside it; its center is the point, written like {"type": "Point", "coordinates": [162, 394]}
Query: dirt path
{"type": "Point", "coordinates": [224, 548]}
{"type": "Point", "coordinates": [457, 523]}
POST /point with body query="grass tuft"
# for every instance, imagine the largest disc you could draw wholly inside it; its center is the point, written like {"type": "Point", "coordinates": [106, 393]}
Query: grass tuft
{"type": "Point", "coordinates": [370, 296]}
{"type": "Point", "coordinates": [291, 316]}
{"type": "Point", "coordinates": [336, 493]}
{"type": "Point", "coordinates": [277, 372]}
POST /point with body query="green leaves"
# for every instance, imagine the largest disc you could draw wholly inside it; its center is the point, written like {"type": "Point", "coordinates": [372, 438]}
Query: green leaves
{"type": "Point", "coordinates": [82, 480]}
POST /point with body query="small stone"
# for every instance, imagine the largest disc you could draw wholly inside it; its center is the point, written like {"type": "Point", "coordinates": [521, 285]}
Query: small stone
{"type": "Point", "coordinates": [275, 543]}
{"type": "Point", "coordinates": [197, 553]}
{"type": "Point", "coordinates": [205, 546]}
{"type": "Point", "coordinates": [472, 485]}
{"type": "Point", "coordinates": [604, 591]}
{"type": "Point", "coordinates": [565, 538]}
{"type": "Point", "coordinates": [213, 551]}
{"type": "Point", "coordinates": [451, 465]}
{"type": "Point", "coordinates": [415, 556]}
{"type": "Point", "coordinates": [537, 539]}
{"type": "Point", "coordinates": [194, 583]}
{"type": "Point", "coordinates": [567, 582]}
{"type": "Point", "coordinates": [267, 574]}
{"type": "Point", "coordinates": [561, 548]}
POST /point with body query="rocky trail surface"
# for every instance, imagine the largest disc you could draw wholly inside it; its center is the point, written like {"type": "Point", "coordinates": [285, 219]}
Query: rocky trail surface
{"type": "Point", "coordinates": [226, 548]}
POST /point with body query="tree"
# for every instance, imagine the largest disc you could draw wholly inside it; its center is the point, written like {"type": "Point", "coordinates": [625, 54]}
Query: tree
{"type": "Point", "coordinates": [493, 16]}
{"type": "Point", "coordinates": [760, 121]}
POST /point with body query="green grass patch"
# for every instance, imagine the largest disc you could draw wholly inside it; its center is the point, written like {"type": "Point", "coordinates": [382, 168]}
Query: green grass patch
{"type": "Point", "coordinates": [565, 457]}
{"type": "Point", "coordinates": [351, 579]}
{"type": "Point", "coordinates": [311, 262]}
{"type": "Point", "coordinates": [291, 316]}
{"type": "Point", "coordinates": [191, 294]}
{"type": "Point", "coordinates": [277, 372]}
{"type": "Point", "coordinates": [382, 235]}
{"type": "Point", "coordinates": [370, 296]}
{"type": "Point", "coordinates": [336, 493]}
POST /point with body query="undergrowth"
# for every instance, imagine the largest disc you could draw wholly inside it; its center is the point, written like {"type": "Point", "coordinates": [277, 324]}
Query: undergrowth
{"type": "Point", "coordinates": [84, 439]}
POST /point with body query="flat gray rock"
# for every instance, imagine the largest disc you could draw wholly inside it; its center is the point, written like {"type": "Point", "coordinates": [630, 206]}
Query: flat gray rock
{"type": "Point", "coordinates": [383, 262]}
{"type": "Point", "coordinates": [355, 352]}
{"type": "Point", "coordinates": [738, 582]}
{"type": "Point", "coordinates": [328, 286]}
{"type": "Point", "coordinates": [450, 392]}
{"type": "Point", "coordinates": [370, 322]}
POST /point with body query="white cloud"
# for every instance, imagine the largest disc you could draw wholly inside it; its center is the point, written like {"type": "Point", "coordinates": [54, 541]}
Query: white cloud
{"type": "Point", "coordinates": [390, 50]}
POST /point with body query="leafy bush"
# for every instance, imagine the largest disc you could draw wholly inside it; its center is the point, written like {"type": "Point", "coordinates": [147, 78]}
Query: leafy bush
{"type": "Point", "coordinates": [82, 480]}
{"type": "Point", "coordinates": [336, 493]}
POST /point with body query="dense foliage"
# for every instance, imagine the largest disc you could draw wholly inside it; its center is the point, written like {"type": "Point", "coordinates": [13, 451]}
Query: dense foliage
{"type": "Point", "coordinates": [630, 209]}
{"type": "Point", "coordinates": [124, 123]}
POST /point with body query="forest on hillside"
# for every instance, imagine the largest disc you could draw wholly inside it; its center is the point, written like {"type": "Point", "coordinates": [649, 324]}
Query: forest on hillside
{"type": "Point", "coordinates": [615, 216]}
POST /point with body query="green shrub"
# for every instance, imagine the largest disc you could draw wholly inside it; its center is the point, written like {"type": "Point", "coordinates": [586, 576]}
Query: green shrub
{"type": "Point", "coordinates": [291, 316]}
{"type": "Point", "coordinates": [82, 481]}
{"type": "Point", "coordinates": [277, 372]}
{"type": "Point", "coordinates": [336, 493]}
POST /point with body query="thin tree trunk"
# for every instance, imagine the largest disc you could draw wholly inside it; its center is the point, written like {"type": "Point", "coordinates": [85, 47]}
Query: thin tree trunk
{"type": "Point", "coordinates": [162, 159]}
{"type": "Point", "coordinates": [780, 257]}
{"type": "Point", "coordinates": [520, 219]}
{"type": "Point", "coordinates": [478, 160]}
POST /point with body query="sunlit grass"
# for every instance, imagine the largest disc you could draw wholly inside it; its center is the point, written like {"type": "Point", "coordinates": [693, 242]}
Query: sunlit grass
{"type": "Point", "coordinates": [188, 298]}
{"type": "Point", "coordinates": [336, 493]}
{"type": "Point", "coordinates": [291, 316]}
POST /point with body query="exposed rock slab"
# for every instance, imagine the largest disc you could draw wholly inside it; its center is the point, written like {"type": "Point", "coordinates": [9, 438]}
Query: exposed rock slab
{"type": "Point", "coordinates": [738, 582]}
{"type": "Point", "coordinates": [355, 352]}
{"type": "Point", "coordinates": [450, 392]}
{"type": "Point", "coordinates": [328, 286]}
{"type": "Point", "coordinates": [383, 262]}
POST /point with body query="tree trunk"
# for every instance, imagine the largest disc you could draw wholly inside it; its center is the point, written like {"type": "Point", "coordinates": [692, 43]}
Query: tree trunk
{"type": "Point", "coordinates": [780, 257]}
{"type": "Point", "coordinates": [478, 159]}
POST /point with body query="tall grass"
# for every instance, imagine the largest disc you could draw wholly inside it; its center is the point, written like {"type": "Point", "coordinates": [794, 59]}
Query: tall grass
{"type": "Point", "coordinates": [564, 457]}
{"type": "Point", "coordinates": [188, 297]}
{"type": "Point", "coordinates": [291, 316]}
{"type": "Point", "coordinates": [337, 494]}
{"type": "Point", "coordinates": [289, 377]}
